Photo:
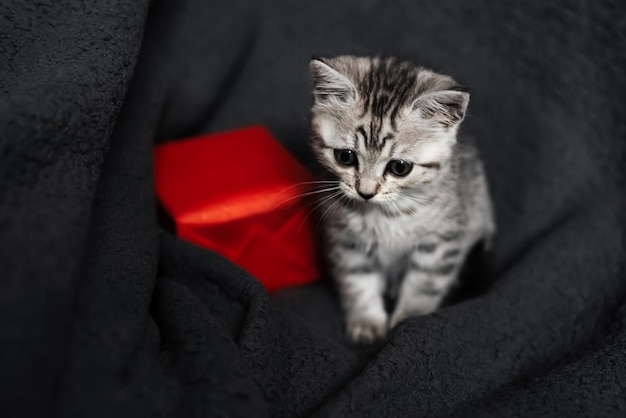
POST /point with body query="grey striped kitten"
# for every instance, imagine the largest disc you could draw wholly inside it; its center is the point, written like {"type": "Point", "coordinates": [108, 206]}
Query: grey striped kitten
{"type": "Point", "coordinates": [405, 201]}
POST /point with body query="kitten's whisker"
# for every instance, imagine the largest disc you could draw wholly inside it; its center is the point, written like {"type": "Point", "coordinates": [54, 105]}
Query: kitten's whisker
{"type": "Point", "coordinates": [336, 203]}
{"type": "Point", "coordinates": [305, 194]}
{"type": "Point", "coordinates": [320, 203]}
{"type": "Point", "coordinates": [305, 183]}
{"type": "Point", "coordinates": [333, 205]}
{"type": "Point", "coordinates": [405, 208]}
{"type": "Point", "coordinates": [311, 186]}
{"type": "Point", "coordinates": [423, 200]}
{"type": "Point", "coordinates": [312, 202]}
{"type": "Point", "coordinates": [325, 199]}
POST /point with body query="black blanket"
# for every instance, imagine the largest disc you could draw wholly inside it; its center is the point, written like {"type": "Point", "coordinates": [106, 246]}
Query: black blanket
{"type": "Point", "coordinates": [102, 313]}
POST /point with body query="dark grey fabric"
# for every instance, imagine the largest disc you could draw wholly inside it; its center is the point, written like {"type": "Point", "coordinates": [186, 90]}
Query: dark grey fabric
{"type": "Point", "coordinates": [104, 314]}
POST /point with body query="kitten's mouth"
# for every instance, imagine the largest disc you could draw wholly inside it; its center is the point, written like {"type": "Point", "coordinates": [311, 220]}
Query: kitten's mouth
{"type": "Point", "coordinates": [368, 201]}
{"type": "Point", "coordinates": [353, 196]}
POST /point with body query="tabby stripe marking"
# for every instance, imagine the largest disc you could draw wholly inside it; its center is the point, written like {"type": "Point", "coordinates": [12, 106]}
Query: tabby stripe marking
{"type": "Point", "coordinates": [451, 253]}
{"type": "Point", "coordinates": [427, 247]}
{"type": "Point", "coordinates": [441, 270]}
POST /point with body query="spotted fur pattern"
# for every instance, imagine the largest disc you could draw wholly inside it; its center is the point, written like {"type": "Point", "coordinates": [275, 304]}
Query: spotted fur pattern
{"type": "Point", "coordinates": [390, 232]}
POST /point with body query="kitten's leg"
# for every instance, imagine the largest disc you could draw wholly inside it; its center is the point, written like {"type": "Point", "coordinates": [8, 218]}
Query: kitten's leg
{"type": "Point", "coordinates": [361, 297]}
{"type": "Point", "coordinates": [432, 270]}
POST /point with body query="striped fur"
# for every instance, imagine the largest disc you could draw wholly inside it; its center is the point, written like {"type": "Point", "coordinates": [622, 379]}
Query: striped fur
{"type": "Point", "coordinates": [389, 231]}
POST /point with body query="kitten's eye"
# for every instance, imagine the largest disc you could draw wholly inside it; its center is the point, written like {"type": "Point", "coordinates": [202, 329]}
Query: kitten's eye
{"type": "Point", "coordinates": [399, 168]}
{"type": "Point", "coordinates": [345, 157]}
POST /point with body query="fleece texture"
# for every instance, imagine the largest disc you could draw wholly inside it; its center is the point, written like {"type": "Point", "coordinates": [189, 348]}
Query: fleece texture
{"type": "Point", "coordinates": [105, 314]}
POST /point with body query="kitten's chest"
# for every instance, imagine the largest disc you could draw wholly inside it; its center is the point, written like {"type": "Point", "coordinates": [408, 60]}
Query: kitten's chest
{"type": "Point", "coordinates": [386, 239]}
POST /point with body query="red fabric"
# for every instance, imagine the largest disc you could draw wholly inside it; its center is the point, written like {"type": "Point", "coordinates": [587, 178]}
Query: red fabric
{"type": "Point", "coordinates": [236, 193]}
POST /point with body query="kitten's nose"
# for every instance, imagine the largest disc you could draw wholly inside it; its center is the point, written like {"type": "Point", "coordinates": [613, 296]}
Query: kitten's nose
{"type": "Point", "coordinates": [366, 196]}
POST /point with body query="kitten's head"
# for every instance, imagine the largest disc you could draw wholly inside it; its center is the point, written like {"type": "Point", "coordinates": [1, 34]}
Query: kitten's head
{"type": "Point", "coordinates": [385, 128]}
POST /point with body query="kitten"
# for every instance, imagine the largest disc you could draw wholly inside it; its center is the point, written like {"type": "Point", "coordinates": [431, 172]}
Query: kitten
{"type": "Point", "coordinates": [407, 201]}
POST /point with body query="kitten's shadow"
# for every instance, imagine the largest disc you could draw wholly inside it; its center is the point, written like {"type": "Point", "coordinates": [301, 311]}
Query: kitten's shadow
{"type": "Point", "coordinates": [474, 279]}
{"type": "Point", "coordinates": [475, 276]}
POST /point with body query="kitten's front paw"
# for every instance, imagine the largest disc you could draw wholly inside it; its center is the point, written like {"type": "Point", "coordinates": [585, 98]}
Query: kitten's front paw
{"type": "Point", "coordinates": [367, 330]}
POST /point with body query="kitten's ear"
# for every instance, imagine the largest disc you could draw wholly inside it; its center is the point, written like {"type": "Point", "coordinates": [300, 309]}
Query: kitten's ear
{"type": "Point", "coordinates": [329, 84]}
{"type": "Point", "coordinates": [446, 107]}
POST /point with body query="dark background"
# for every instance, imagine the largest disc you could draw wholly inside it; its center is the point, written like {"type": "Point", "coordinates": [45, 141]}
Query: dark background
{"type": "Point", "coordinates": [104, 314]}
